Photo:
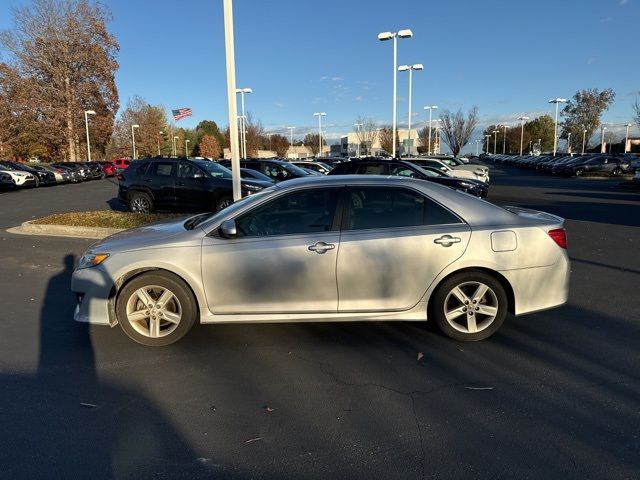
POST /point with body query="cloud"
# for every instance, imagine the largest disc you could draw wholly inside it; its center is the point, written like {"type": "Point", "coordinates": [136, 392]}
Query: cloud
{"type": "Point", "coordinates": [622, 3]}
{"type": "Point", "coordinates": [323, 78]}
{"type": "Point", "coordinates": [279, 104]}
{"type": "Point", "coordinates": [336, 79]}
{"type": "Point", "coordinates": [359, 98]}
{"type": "Point", "coordinates": [606, 19]}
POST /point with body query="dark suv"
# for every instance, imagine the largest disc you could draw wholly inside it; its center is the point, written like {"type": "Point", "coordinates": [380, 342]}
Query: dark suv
{"type": "Point", "coordinates": [277, 170]}
{"type": "Point", "coordinates": [407, 169]}
{"type": "Point", "coordinates": [179, 184]}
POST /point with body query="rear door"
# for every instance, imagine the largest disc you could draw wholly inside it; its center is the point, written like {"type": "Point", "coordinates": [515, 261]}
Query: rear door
{"type": "Point", "coordinates": [394, 242]}
{"type": "Point", "coordinates": [190, 188]}
{"type": "Point", "coordinates": [160, 179]}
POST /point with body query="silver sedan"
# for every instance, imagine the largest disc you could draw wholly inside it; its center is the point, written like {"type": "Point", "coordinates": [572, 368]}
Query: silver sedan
{"type": "Point", "coordinates": [329, 249]}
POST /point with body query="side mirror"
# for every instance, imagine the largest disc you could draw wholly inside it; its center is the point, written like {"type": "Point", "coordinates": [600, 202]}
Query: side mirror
{"type": "Point", "coordinates": [228, 229]}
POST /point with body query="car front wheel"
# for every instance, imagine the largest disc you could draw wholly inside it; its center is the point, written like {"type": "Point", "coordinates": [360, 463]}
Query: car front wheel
{"type": "Point", "coordinates": [469, 306]}
{"type": "Point", "coordinates": [156, 309]}
{"type": "Point", "coordinates": [223, 202]}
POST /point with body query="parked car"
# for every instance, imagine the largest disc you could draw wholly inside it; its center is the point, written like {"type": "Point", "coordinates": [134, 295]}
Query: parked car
{"type": "Point", "coordinates": [404, 168]}
{"type": "Point", "coordinates": [277, 170]}
{"type": "Point", "coordinates": [60, 175]}
{"type": "Point", "coordinates": [356, 248]}
{"type": "Point", "coordinates": [19, 178]}
{"type": "Point", "coordinates": [108, 168]}
{"type": "Point", "coordinates": [255, 175]}
{"type": "Point", "coordinates": [94, 169]}
{"type": "Point", "coordinates": [81, 171]}
{"type": "Point", "coordinates": [599, 164]}
{"type": "Point", "coordinates": [481, 171]}
{"type": "Point", "coordinates": [74, 174]}
{"type": "Point", "coordinates": [431, 162]}
{"type": "Point", "coordinates": [121, 164]}
{"type": "Point", "coordinates": [40, 177]}
{"type": "Point", "coordinates": [319, 167]}
{"type": "Point", "coordinates": [6, 182]}
{"type": "Point", "coordinates": [179, 184]}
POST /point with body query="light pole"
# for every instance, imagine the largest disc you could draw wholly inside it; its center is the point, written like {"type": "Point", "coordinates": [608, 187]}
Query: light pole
{"type": "Point", "coordinates": [232, 99]}
{"type": "Point", "coordinates": [291, 129]}
{"type": "Point", "coordinates": [175, 146]}
{"type": "Point", "coordinates": [357, 125]}
{"type": "Point", "coordinates": [430, 108]}
{"type": "Point", "coordinates": [626, 139]}
{"type": "Point", "coordinates": [495, 140]}
{"type": "Point", "coordinates": [159, 136]}
{"type": "Point", "coordinates": [133, 140]}
{"type": "Point", "coordinates": [410, 68]}
{"type": "Point", "coordinates": [477, 147]}
{"type": "Point", "coordinates": [243, 131]}
{"type": "Point", "coordinates": [319, 115]}
{"type": "Point", "coordinates": [602, 147]}
{"type": "Point", "coordinates": [438, 124]}
{"type": "Point", "coordinates": [269, 135]}
{"type": "Point", "coordinates": [522, 119]}
{"type": "Point", "coordinates": [504, 140]}
{"type": "Point", "coordinates": [86, 124]}
{"type": "Point", "coordinates": [584, 140]}
{"type": "Point", "coordinates": [383, 37]}
{"type": "Point", "coordinates": [557, 101]}
{"type": "Point", "coordinates": [487, 141]}
{"type": "Point", "coordinates": [569, 142]}
{"type": "Point", "coordinates": [186, 143]}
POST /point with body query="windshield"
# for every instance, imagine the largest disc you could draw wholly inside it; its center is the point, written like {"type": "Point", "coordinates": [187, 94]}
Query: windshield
{"type": "Point", "coordinates": [294, 169]}
{"type": "Point", "coordinates": [214, 169]}
{"type": "Point", "coordinates": [427, 172]}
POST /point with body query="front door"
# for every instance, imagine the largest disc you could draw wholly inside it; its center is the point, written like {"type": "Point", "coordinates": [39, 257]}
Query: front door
{"type": "Point", "coordinates": [282, 261]}
{"type": "Point", "coordinates": [394, 243]}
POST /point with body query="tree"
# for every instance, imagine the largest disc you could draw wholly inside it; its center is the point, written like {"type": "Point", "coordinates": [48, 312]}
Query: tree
{"type": "Point", "coordinates": [366, 135]}
{"type": "Point", "coordinates": [456, 130]}
{"type": "Point", "coordinates": [209, 147]}
{"type": "Point", "coordinates": [151, 120]}
{"type": "Point", "coordinates": [312, 141]}
{"type": "Point", "coordinates": [207, 127]}
{"type": "Point", "coordinates": [66, 56]}
{"type": "Point", "coordinates": [541, 129]}
{"type": "Point", "coordinates": [280, 144]}
{"type": "Point", "coordinates": [423, 135]}
{"type": "Point", "coordinates": [255, 132]}
{"type": "Point", "coordinates": [636, 109]}
{"type": "Point", "coordinates": [583, 112]}
{"type": "Point", "coordinates": [386, 138]}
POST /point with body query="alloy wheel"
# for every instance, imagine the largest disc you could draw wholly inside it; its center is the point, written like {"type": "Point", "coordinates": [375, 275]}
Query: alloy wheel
{"type": "Point", "coordinates": [140, 205]}
{"type": "Point", "coordinates": [154, 311]}
{"type": "Point", "coordinates": [471, 307]}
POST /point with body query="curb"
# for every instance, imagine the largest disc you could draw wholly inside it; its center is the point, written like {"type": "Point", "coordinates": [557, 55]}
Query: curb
{"type": "Point", "coordinates": [29, 228]}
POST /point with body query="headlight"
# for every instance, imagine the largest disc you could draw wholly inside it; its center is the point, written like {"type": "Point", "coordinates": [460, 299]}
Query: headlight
{"type": "Point", "coordinates": [92, 260]}
{"type": "Point", "coordinates": [251, 188]}
{"type": "Point", "coordinates": [467, 185]}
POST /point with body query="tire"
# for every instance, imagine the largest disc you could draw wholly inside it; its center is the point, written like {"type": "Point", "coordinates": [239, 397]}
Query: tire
{"type": "Point", "coordinates": [37, 184]}
{"type": "Point", "coordinates": [223, 202]}
{"type": "Point", "coordinates": [473, 321]}
{"type": "Point", "coordinates": [163, 323]}
{"type": "Point", "coordinates": [140, 202]}
{"type": "Point", "coordinates": [579, 172]}
{"type": "Point", "coordinates": [616, 172]}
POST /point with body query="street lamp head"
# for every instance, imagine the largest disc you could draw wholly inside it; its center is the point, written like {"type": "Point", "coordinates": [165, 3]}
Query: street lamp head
{"type": "Point", "coordinates": [404, 68]}
{"type": "Point", "coordinates": [176, 137]}
{"type": "Point", "coordinates": [135, 126]}
{"type": "Point", "coordinates": [384, 36]}
{"type": "Point", "coordinates": [161, 133]}
{"type": "Point", "coordinates": [90, 112]}
{"type": "Point", "coordinates": [417, 66]}
{"type": "Point", "coordinates": [431, 107]}
{"type": "Point", "coordinates": [523, 118]}
{"type": "Point", "coordinates": [244, 90]}
{"type": "Point", "coordinates": [406, 33]}
{"type": "Point", "coordinates": [628, 124]}
{"type": "Point", "coordinates": [319, 114]}
{"type": "Point", "coordinates": [558, 100]}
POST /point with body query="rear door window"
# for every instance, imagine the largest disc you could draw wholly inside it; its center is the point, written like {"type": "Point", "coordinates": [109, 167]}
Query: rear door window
{"type": "Point", "coordinates": [161, 169]}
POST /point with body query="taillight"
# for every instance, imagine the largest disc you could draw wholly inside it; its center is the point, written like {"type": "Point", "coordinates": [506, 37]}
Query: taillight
{"type": "Point", "coordinates": [559, 236]}
{"type": "Point", "coordinates": [120, 177]}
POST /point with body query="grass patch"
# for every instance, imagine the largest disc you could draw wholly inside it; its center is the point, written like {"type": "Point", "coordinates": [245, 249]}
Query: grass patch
{"type": "Point", "coordinates": [104, 219]}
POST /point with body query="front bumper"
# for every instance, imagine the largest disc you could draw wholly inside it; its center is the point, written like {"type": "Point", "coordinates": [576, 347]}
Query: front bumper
{"type": "Point", "coordinates": [93, 289]}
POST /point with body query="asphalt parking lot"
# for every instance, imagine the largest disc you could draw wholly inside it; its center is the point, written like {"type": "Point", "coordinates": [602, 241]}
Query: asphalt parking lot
{"type": "Point", "coordinates": [552, 395]}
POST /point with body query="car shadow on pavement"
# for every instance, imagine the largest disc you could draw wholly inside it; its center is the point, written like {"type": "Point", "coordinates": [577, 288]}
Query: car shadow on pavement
{"type": "Point", "coordinates": [65, 422]}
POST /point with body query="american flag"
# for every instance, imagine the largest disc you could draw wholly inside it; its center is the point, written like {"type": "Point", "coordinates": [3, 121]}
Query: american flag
{"type": "Point", "coordinates": [181, 113]}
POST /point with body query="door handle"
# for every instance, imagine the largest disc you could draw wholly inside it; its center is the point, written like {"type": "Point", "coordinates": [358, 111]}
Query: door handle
{"type": "Point", "coordinates": [321, 247]}
{"type": "Point", "coordinates": [447, 240]}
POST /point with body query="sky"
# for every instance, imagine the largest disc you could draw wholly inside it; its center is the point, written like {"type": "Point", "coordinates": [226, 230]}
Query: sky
{"type": "Point", "coordinates": [508, 58]}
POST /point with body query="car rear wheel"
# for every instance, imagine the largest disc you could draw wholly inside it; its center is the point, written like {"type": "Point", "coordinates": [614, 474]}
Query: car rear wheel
{"type": "Point", "coordinates": [469, 306]}
{"type": "Point", "coordinates": [140, 202]}
{"type": "Point", "coordinates": [579, 172]}
{"type": "Point", "coordinates": [156, 309]}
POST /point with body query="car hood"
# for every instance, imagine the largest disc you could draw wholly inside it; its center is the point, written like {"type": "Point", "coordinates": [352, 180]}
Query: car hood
{"type": "Point", "coordinates": [257, 183]}
{"type": "Point", "coordinates": [164, 234]}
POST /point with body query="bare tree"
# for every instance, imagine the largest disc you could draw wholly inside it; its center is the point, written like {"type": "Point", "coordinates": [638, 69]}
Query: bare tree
{"type": "Point", "coordinates": [456, 130]}
{"type": "Point", "coordinates": [255, 132]}
{"type": "Point", "coordinates": [366, 134]}
{"type": "Point", "coordinates": [636, 109]}
{"type": "Point", "coordinates": [312, 141]}
{"type": "Point", "coordinates": [423, 136]}
{"type": "Point", "coordinates": [386, 138]}
{"type": "Point", "coordinates": [64, 49]}
{"type": "Point", "coordinates": [280, 144]}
